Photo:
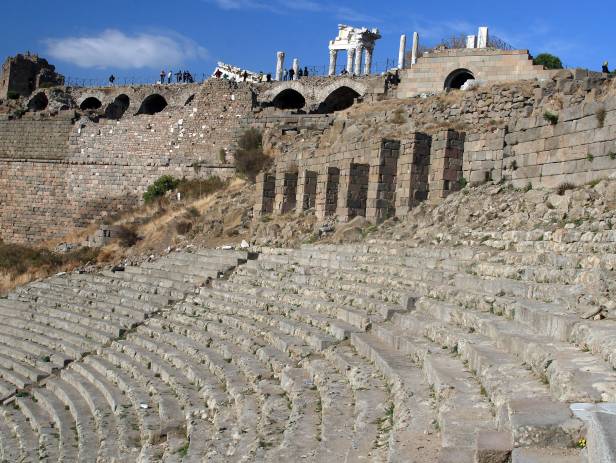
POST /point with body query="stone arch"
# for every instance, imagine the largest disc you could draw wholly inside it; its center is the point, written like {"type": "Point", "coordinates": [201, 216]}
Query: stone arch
{"type": "Point", "coordinates": [90, 103]}
{"type": "Point", "coordinates": [458, 77]}
{"type": "Point", "coordinates": [117, 108]}
{"type": "Point", "coordinates": [289, 99]}
{"type": "Point", "coordinates": [38, 102]}
{"type": "Point", "coordinates": [341, 98]}
{"type": "Point", "coordinates": [153, 104]}
{"type": "Point", "coordinates": [352, 84]}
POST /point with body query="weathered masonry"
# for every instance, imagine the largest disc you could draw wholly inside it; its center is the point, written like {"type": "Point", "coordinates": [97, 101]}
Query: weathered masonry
{"type": "Point", "coordinates": [381, 178]}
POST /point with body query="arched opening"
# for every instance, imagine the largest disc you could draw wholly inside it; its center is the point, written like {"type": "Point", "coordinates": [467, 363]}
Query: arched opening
{"type": "Point", "coordinates": [289, 99]}
{"type": "Point", "coordinates": [190, 100]}
{"type": "Point", "coordinates": [38, 102]}
{"type": "Point", "coordinates": [153, 104]}
{"type": "Point", "coordinates": [338, 100]}
{"type": "Point", "coordinates": [458, 78]}
{"type": "Point", "coordinates": [118, 107]}
{"type": "Point", "coordinates": [90, 103]}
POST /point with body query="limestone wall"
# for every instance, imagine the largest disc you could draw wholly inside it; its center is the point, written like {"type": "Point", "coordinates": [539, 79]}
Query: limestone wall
{"type": "Point", "coordinates": [579, 148]}
{"type": "Point", "coordinates": [56, 173]}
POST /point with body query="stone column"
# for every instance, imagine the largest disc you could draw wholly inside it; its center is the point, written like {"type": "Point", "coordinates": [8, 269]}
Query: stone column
{"type": "Point", "coordinates": [413, 169]}
{"type": "Point", "coordinates": [402, 51]}
{"type": "Point", "coordinates": [482, 37]}
{"type": "Point", "coordinates": [368, 62]}
{"type": "Point", "coordinates": [446, 157]}
{"type": "Point", "coordinates": [265, 191]}
{"type": "Point", "coordinates": [380, 204]}
{"type": "Point", "coordinates": [350, 57]}
{"type": "Point", "coordinates": [415, 49]}
{"type": "Point", "coordinates": [295, 68]}
{"type": "Point", "coordinates": [279, 65]}
{"type": "Point", "coordinates": [471, 41]}
{"type": "Point", "coordinates": [333, 58]}
{"type": "Point", "coordinates": [358, 53]}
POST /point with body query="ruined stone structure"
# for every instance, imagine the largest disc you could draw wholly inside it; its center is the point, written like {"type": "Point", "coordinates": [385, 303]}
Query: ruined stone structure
{"type": "Point", "coordinates": [23, 74]}
{"type": "Point", "coordinates": [377, 178]}
{"type": "Point", "coordinates": [357, 42]}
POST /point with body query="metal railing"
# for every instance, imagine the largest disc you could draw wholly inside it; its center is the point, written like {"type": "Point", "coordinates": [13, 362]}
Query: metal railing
{"type": "Point", "coordinates": [378, 67]}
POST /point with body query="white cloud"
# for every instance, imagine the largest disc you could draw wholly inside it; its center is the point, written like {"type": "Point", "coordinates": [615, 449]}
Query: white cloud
{"type": "Point", "coordinates": [115, 49]}
{"type": "Point", "coordinates": [286, 7]}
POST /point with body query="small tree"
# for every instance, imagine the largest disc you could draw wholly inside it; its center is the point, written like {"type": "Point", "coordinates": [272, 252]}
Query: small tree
{"type": "Point", "coordinates": [160, 187]}
{"type": "Point", "coordinates": [548, 61]}
{"type": "Point", "coordinates": [249, 157]}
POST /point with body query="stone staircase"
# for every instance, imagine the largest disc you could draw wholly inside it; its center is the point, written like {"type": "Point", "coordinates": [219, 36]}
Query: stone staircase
{"type": "Point", "coordinates": [379, 351]}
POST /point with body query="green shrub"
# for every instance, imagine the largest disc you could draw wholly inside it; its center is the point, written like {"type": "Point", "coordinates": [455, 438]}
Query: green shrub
{"type": "Point", "coordinates": [548, 61]}
{"type": "Point", "coordinates": [159, 188]}
{"type": "Point", "coordinates": [222, 156]}
{"type": "Point", "coordinates": [249, 157]}
{"type": "Point", "coordinates": [514, 165]}
{"type": "Point", "coordinates": [564, 187]}
{"type": "Point", "coordinates": [590, 157]}
{"type": "Point", "coordinates": [12, 95]}
{"type": "Point", "coordinates": [612, 155]}
{"type": "Point", "coordinates": [462, 182]}
{"type": "Point", "coordinates": [600, 114]}
{"type": "Point", "coordinates": [196, 188]}
{"type": "Point", "coordinates": [551, 117]}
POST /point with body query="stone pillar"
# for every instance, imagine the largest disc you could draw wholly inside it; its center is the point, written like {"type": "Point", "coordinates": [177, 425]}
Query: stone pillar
{"type": "Point", "coordinates": [471, 41]}
{"type": "Point", "coordinates": [413, 170]}
{"type": "Point", "coordinates": [286, 192]}
{"type": "Point", "coordinates": [333, 58]}
{"type": "Point", "coordinates": [353, 191]}
{"type": "Point", "coordinates": [265, 191]}
{"type": "Point", "coordinates": [295, 68]}
{"type": "Point", "coordinates": [482, 37]}
{"type": "Point", "coordinates": [279, 65]}
{"type": "Point", "coordinates": [306, 190]}
{"type": "Point", "coordinates": [358, 54]}
{"type": "Point", "coordinates": [415, 49]}
{"type": "Point", "coordinates": [368, 62]}
{"type": "Point", "coordinates": [402, 51]}
{"type": "Point", "coordinates": [380, 204]}
{"type": "Point", "coordinates": [446, 158]}
{"type": "Point", "coordinates": [350, 58]}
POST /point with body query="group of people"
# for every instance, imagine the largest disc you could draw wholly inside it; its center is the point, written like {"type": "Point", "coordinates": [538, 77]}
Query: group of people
{"type": "Point", "coordinates": [289, 74]}
{"type": "Point", "coordinates": [181, 77]}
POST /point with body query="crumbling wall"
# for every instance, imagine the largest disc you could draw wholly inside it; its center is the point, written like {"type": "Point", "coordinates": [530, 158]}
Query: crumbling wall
{"type": "Point", "coordinates": [57, 174]}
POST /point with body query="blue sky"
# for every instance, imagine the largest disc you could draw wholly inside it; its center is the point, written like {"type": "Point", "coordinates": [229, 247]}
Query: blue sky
{"type": "Point", "coordinates": [136, 38]}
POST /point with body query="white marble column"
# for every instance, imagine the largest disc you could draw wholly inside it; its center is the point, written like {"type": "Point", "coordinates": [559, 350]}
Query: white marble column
{"type": "Point", "coordinates": [415, 49]}
{"type": "Point", "coordinates": [295, 68]}
{"type": "Point", "coordinates": [402, 51]}
{"type": "Point", "coordinates": [350, 57]}
{"type": "Point", "coordinates": [333, 58]}
{"type": "Point", "coordinates": [482, 37]}
{"type": "Point", "coordinates": [279, 65]}
{"type": "Point", "coordinates": [368, 62]}
{"type": "Point", "coordinates": [471, 41]}
{"type": "Point", "coordinates": [358, 53]}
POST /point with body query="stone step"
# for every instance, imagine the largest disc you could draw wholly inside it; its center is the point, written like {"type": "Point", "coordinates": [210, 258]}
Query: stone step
{"type": "Point", "coordinates": [514, 402]}
{"type": "Point", "coordinates": [43, 427]}
{"type": "Point", "coordinates": [174, 289]}
{"type": "Point", "coordinates": [573, 375]}
{"type": "Point", "coordinates": [9, 443]}
{"type": "Point", "coordinates": [107, 429]}
{"type": "Point", "coordinates": [164, 275]}
{"type": "Point", "coordinates": [39, 333]}
{"type": "Point", "coordinates": [43, 357]}
{"type": "Point", "coordinates": [28, 444]}
{"type": "Point", "coordinates": [63, 423]}
{"type": "Point", "coordinates": [411, 416]}
{"type": "Point", "coordinates": [325, 317]}
{"type": "Point", "coordinates": [126, 419]}
{"type": "Point", "coordinates": [547, 455]}
{"type": "Point", "coordinates": [88, 441]}
{"type": "Point", "coordinates": [73, 302]}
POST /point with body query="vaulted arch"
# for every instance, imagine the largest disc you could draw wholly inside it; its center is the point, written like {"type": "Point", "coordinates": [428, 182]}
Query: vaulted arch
{"type": "Point", "coordinates": [339, 99]}
{"type": "Point", "coordinates": [38, 102]}
{"type": "Point", "coordinates": [458, 78]}
{"type": "Point", "coordinates": [90, 103]}
{"type": "Point", "coordinates": [153, 104]}
{"type": "Point", "coordinates": [289, 99]}
{"type": "Point", "coordinates": [118, 107]}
